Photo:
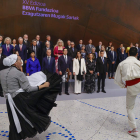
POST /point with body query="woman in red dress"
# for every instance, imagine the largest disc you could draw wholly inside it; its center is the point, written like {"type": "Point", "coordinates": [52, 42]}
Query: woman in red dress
{"type": "Point", "coordinates": [58, 51]}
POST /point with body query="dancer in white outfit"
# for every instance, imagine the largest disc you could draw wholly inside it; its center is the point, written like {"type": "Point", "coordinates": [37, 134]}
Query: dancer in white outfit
{"type": "Point", "coordinates": [128, 75]}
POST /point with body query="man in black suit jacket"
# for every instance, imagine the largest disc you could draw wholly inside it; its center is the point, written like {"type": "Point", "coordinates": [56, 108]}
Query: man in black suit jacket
{"type": "Point", "coordinates": [36, 49]}
{"type": "Point", "coordinates": [68, 45]}
{"type": "Point", "coordinates": [64, 62]}
{"type": "Point", "coordinates": [48, 38]}
{"type": "Point", "coordinates": [47, 47]}
{"type": "Point", "coordinates": [98, 48]}
{"type": "Point", "coordinates": [72, 52]}
{"type": "Point", "coordinates": [101, 67]}
{"type": "Point", "coordinates": [1, 60]}
{"type": "Point", "coordinates": [79, 46]}
{"type": "Point", "coordinates": [27, 44]}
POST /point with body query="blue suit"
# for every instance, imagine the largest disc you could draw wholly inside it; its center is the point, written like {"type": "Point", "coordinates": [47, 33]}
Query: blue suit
{"type": "Point", "coordinates": [122, 57]}
{"type": "Point", "coordinates": [5, 52]}
{"type": "Point", "coordinates": [32, 66]}
{"type": "Point", "coordinates": [46, 66]}
{"type": "Point", "coordinates": [110, 60]}
{"type": "Point", "coordinates": [23, 53]}
{"type": "Point", "coordinates": [62, 66]}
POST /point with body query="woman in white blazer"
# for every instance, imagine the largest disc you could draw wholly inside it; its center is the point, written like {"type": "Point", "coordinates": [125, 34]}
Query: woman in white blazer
{"type": "Point", "coordinates": [79, 68]}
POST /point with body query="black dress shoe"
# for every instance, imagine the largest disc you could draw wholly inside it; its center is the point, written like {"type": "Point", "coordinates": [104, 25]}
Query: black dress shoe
{"type": "Point", "coordinates": [103, 91]}
{"type": "Point", "coordinates": [60, 93]}
{"type": "Point", "coordinates": [67, 93]}
{"type": "Point", "coordinates": [98, 91]}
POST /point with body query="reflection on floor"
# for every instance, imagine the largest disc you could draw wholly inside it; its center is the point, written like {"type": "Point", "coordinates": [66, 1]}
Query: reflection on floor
{"type": "Point", "coordinates": [97, 116]}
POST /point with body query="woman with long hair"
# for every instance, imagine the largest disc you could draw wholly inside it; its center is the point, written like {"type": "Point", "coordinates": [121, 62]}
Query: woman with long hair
{"type": "Point", "coordinates": [90, 76]}
{"type": "Point", "coordinates": [79, 69]}
{"type": "Point", "coordinates": [58, 51]}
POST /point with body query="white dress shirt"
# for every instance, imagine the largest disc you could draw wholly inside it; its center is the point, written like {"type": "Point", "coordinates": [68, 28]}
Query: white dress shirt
{"type": "Point", "coordinates": [65, 57]}
{"type": "Point", "coordinates": [112, 54]}
{"type": "Point", "coordinates": [128, 69]}
{"type": "Point", "coordinates": [0, 56]}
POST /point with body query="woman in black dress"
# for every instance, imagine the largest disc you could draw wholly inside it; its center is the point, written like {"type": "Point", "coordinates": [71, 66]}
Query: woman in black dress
{"type": "Point", "coordinates": [90, 75]}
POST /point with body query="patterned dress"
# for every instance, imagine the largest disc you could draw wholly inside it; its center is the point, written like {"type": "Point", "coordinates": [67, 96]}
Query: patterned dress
{"type": "Point", "coordinates": [90, 78]}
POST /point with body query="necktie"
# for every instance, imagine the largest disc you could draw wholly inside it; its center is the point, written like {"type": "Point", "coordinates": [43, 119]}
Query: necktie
{"type": "Point", "coordinates": [20, 47]}
{"type": "Point", "coordinates": [113, 55]}
{"type": "Point", "coordinates": [65, 59]}
{"type": "Point", "coordinates": [49, 60]}
{"type": "Point", "coordinates": [103, 60]}
{"type": "Point", "coordinates": [35, 50]}
{"type": "Point", "coordinates": [8, 48]}
{"type": "Point", "coordinates": [73, 49]}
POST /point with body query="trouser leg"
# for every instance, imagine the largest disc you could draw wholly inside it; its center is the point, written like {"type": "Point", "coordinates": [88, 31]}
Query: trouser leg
{"type": "Point", "coordinates": [110, 65]}
{"type": "Point", "coordinates": [99, 79]}
{"type": "Point", "coordinates": [77, 88]}
{"type": "Point", "coordinates": [66, 87]}
{"type": "Point", "coordinates": [130, 103]}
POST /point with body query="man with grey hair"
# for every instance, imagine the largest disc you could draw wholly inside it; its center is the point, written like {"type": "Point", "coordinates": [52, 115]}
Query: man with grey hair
{"type": "Point", "coordinates": [68, 44]}
{"type": "Point", "coordinates": [47, 47]}
{"type": "Point", "coordinates": [7, 47]}
{"type": "Point", "coordinates": [72, 52]}
{"type": "Point", "coordinates": [27, 44]}
{"type": "Point", "coordinates": [79, 46]}
{"type": "Point", "coordinates": [22, 50]}
{"type": "Point", "coordinates": [89, 46]}
{"type": "Point", "coordinates": [35, 48]}
{"type": "Point", "coordinates": [48, 38]}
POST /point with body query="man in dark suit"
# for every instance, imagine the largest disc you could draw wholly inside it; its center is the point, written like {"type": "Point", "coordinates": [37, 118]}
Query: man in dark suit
{"type": "Point", "coordinates": [98, 48]}
{"type": "Point", "coordinates": [89, 47]}
{"type": "Point", "coordinates": [79, 46]}
{"type": "Point", "coordinates": [112, 58]}
{"type": "Point", "coordinates": [64, 62]}
{"type": "Point", "coordinates": [1, 60]}
{"type": "Point", "coordinates": [39, 43]}
{"type": "Point", "coordinates": [119, 49]}
{"type": "Point", "coordinates": [48, 38]}
{"type": "Point", "coordinates": [47, 47]}
{"type": "Point", "coordinates": [27, 44]}
{"type": "Point", "coordinates": [72, 52]}
{"type": "Point", "coordinates": [36, 49]}
{"type": "Point", "coordinates": [48, 62]}
{"type": "Point", "coordinates": [68, 45]}
{"type": "Point", "coordinates": [22, 50]}
{"type": "Point", "coordinates": [101, 68]}
{"type": "Point", "coordinates": [7, 47]}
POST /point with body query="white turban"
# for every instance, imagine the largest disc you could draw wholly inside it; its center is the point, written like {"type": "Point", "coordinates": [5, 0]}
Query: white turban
{"type": "Point", "coordinates": [10, 60]}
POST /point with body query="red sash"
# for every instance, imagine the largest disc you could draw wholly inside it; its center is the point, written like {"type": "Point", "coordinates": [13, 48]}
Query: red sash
{"type": "Point", "coordinates": [132, 82]}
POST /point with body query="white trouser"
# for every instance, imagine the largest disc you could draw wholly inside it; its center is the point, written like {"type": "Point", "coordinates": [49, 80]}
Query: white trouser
{"type": "Point", "coordinates": [77, 87]}
{"type": "Point", "coordinates": [130, 103]}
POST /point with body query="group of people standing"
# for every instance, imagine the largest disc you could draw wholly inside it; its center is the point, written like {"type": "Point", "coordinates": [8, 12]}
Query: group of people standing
{"type": "Point", "coordinates": [83, 61]}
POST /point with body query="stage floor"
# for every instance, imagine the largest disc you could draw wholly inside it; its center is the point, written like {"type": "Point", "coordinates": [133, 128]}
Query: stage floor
{"type": "Point", "coordinates": [96, 116]}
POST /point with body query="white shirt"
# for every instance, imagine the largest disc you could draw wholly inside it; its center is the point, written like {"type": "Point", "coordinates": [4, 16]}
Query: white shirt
{"type": "Point", "coordinates": [65, 57]}
{"type": "Point", "coordinates": [7, 46]}
{"type": "Point", "coordinates": [112, 53]}
{"type": "Point", "coordinates": [128, 69]}
{"type": "Point", "coordinates": [100, 47]}
{"type": "Point", "coordinates": [20, 46]}
{"type": "Point", "coordinates": [37, 42]}
{"type": "Point", "coordinates": [0, 56]}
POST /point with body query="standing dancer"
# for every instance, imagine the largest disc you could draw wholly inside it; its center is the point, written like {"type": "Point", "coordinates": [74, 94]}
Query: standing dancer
{"type": "Point", "coordinates": [128, 72]}
{"type": "Point", "coordinates": [28, 108]}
